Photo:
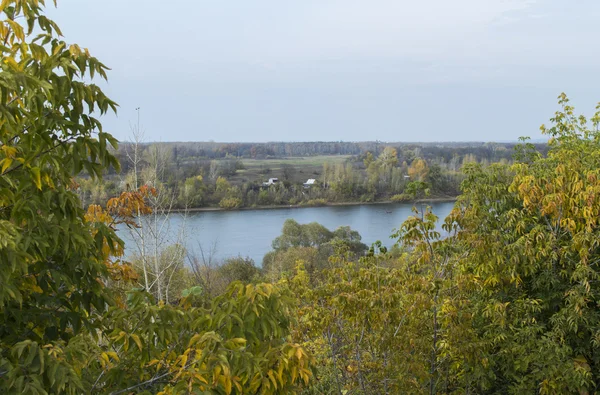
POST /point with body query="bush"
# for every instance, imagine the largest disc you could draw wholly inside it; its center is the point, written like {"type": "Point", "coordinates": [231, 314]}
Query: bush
{"type": "Point", "coordinates": [230, 203]}
{"type": "Point", "coordinates": [316, 202]}
{"type": "Point", "coordinates": [402, 197]}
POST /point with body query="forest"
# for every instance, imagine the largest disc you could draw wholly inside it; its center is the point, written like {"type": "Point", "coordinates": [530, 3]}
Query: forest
{"type": "Point", "coordinates": [508, 302]}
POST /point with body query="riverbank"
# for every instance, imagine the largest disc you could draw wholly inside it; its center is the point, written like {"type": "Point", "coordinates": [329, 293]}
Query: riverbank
{"type": "Point", "coordinates": [333, 204]}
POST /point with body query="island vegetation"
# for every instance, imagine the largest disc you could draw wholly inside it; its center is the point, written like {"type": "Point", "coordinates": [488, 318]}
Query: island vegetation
{"type": "Point", "coordinates": [508, 302]}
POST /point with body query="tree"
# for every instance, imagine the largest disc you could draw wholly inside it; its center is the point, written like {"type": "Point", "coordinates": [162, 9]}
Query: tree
{"type": "Point", "coordinates": [350, 238]}
{"type": "Point", "coordinates": [239, 269]}
{"type": "Point", "coordinates": [222, 185]}
{"type": "Point", "coordinates": [529, 237]}
{"type": "Point", "coordinates": [154, 236]}
{"type": "Point", "coordinates": [418, 170]}
{"type": "Point", "coordinates": [365, 323]}
{"type": "Point", "coordinates": [51, 263]}
{"type": "Point", "coordinates": [388, 157]}
{"type": "Point", "coordinates": [191, 193]}
{"type": "Point", "coordinates": [297, 235]}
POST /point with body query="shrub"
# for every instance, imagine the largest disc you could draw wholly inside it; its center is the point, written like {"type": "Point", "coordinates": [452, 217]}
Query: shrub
{"type": "Point", "coordinates": [316, 202]}
{"type": "Point", "coordinates": [230, 203]}
{"type": "Point", "coordinates": [402, 197]}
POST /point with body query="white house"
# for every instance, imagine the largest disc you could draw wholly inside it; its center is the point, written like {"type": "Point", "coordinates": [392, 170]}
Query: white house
{"type": "Point", "coordinates": [310, 182]}
{"type": "Point", "coordinates": [271, 182]}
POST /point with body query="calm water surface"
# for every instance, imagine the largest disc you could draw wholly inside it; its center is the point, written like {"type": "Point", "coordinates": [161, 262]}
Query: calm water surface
{"type": "Point", "coordinates": [250, 232]}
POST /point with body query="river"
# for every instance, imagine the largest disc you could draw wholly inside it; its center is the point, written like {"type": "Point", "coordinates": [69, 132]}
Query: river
{"type": "Point", "coordinates": [249, 233]}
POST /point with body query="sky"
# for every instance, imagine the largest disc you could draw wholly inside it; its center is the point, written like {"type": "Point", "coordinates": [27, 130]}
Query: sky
{"type": "Point", "coordinates": [330, 70]}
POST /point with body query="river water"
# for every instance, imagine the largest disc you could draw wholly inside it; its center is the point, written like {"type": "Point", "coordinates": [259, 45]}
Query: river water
{"type": "Point", "coordinates": [249, 233]}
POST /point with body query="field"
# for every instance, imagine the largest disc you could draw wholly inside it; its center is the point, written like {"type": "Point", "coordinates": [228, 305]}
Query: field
{"type": "Point", "coordinates": [294, 169]}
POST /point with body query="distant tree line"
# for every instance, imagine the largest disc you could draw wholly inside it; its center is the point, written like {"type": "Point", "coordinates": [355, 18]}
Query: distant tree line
{"type": "Point", "coordinates": [185, 153]}
{"type": "Point", "coordinates": [208, 175]}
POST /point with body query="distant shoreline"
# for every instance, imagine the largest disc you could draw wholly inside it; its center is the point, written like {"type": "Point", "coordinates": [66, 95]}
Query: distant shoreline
{"type": "Point", "coordinates": [334, 204]}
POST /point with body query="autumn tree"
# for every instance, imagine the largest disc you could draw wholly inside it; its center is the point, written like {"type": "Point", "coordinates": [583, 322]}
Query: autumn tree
{"type": "Point", "coordinates": [529, 237]}
{"type": "Point", "coordinates": [418, 170]}
{"type": "Point", "coordinates": [51, 263]}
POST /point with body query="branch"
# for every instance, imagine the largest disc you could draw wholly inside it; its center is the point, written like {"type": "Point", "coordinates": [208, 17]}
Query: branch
{"type": "Point", "coordinates": [152, 380]}
{"type": "Point", "coordinates": [24, 129]}
{"type": "Point", "coordinates": [36, 157]}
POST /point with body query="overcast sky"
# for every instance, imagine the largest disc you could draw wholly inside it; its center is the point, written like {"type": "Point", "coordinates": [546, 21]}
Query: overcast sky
{"type": "Point", "coordinates": [393, 70]}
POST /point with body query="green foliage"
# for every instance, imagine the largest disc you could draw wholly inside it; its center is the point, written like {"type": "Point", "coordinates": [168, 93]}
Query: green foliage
{"type": "Point", "coordinates": [345, 233]}
{"type": "Point", "coordinates": [338, 178]}
{"type": "Point", "coordinates": [278, 264]}
{"type": "Point", "coordinates": [298, 235]}
{"type": "Point", "coordinates": [192, 193]}
{"type": "Point", "coordinates": [215, 277]}
{"type": "Point", "coordinates": [238, 344]}
{"type": "Point", "coordinates": [311, 243]}
{"type": "Point", "coordinates": [239, 269]}
{"type": "Point", "coordinates": [417, 190]}
{"type": "Point", "coordinates": [52, 266]}
{"type": "Point", "coordinates": [222, 185]}
{"type": "Point", "coordinates": [170, 277]}
{"type": "Point", "coordinates": [367, 325]}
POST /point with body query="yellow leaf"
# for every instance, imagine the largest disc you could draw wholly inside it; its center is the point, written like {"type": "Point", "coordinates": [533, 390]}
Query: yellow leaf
{"type": "Point", "coordinates": [104, 360]}
{"type": "Point", "coordinates": [112, 354]}
{"type": "Point", "coordinates": [11, 62]}
{"type": "Point", "coordinates": [137, 341]}
{"type": "Point", "coordinates": [294, 374]}
{"type": "Point", "coordinates": [227, 385]}
{"type": "Point", "coordinates": [271, 377]}
{"type": "Point", "coordinates": [216, 374]}
{"type": "Point", "coordinates": [9, 151]}
{"type": "Point", "coordinates": [201, 378]}
{"type": "Point", "coordinates": [194, 339]}
{"type": "Point", "coordinates": [35, 172]}
{"type": "Point", "coordinates": [153, 362]}
{"type": "Point", "coordinates": [183, 360]}
{"type": "Point", "coordinates": [6, 162]}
